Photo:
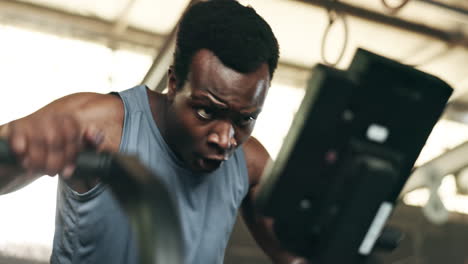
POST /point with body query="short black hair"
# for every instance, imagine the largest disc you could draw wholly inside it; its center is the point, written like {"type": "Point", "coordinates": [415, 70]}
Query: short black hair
{"type": "Point", "coordinates": [240, 38]}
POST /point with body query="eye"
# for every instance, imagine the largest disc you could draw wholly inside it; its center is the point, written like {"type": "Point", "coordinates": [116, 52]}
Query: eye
{"type": "Point", "coordinates": [205, 113]}
{"type": "Point", "coordinates": [246, 120]}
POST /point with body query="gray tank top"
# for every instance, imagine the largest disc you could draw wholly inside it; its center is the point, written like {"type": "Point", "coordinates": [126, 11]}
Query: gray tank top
{"type": "Point", "coordinates": [91, 228]}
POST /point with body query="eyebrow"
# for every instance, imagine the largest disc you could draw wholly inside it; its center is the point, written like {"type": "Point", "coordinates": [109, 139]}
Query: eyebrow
{"type": "Point", "coordinates": [253, 113]}
{"type": "Point", "coordinates": [212, 99]}
{"type": "Point", "coordinates": [222, 105]}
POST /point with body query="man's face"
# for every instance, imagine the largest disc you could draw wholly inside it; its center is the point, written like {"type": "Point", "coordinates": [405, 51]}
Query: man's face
{"type": "Point", "coordinates": [214, 112]}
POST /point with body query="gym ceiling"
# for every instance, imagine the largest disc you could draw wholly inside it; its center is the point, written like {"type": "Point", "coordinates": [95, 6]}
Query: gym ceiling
{"type": "Point", "coordinates": [429, 34]}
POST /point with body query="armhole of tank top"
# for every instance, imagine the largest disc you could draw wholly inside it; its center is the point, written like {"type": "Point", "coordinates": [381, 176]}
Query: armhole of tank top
{"type": "Point", "coordinates": [82, 197]}
{"type": "Point", "coordinates": [115, 94]}
{"type": "Point", "coordinates": [128, 112]}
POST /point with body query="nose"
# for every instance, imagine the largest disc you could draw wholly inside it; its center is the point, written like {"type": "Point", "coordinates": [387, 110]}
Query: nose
{"type": "Point", "coordinates": [222, 135]}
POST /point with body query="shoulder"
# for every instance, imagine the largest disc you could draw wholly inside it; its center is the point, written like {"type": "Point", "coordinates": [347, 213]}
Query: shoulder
{"type": "Point", "coordinates": [88, 107]}
{"type": "Point", "coordinates": [100, 111]}
{"type": "Point", "coordinates": [96, 106]}
{"type": "Point", "coordinates": [256, 157]}
{"type": "Point", "coordinates": [81, 103]}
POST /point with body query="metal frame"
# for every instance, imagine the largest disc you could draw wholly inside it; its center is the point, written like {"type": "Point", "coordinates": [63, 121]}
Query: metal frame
{"type": "Point", "coordinates": [457, 38]}
{"type": "Point", "coordinates": [119, 33]}
{"type": "Point", "coordinates": [57, 22]}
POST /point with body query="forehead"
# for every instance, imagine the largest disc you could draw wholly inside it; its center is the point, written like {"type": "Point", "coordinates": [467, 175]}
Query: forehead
{"type": "Point", "coordinates": [209, 75]}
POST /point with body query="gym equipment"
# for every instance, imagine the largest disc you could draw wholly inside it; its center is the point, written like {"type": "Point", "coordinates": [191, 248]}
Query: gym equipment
{"type": "Point", "coordinates": [349, 151]}
{"type": "Point", "coordinates": [430, 175]}
{"type": "Point", "coordinates": [142, 196]}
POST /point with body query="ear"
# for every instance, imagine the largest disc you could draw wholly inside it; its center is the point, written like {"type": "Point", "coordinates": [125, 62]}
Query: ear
{"type": "Point", "coordinates": [171, 82]}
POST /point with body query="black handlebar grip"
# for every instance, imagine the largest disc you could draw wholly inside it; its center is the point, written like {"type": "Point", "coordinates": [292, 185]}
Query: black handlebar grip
{"type": "Point", "coordinates": [389, 239]}
{"type": "Point", "coordinates": [90, 163]}
{"type": "Point", "coordinates": [87, 163]}
{"type": "Point", "coordinates": [6, 155]}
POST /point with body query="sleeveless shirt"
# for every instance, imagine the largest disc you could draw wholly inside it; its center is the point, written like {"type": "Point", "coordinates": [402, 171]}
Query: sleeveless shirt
{"type": "Point", "coordinates": [92, 228]}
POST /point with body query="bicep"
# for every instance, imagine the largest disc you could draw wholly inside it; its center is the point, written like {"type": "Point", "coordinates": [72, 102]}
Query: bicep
{"type": "Point", "coordinates": [259, 226]}
{"type": "Point", "coordinates": [257, 158]}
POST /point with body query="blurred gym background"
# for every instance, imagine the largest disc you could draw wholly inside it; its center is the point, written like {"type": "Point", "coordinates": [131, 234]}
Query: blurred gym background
{"type": "Point", "coordinates": [51, 48]}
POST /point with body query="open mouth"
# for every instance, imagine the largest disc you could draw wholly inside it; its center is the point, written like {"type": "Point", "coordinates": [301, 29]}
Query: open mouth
{"type": "Point", "coordinates": [210, 164]}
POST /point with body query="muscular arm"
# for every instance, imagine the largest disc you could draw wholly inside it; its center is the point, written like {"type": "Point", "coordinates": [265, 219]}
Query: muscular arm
{"type": "Point", "coordinates": [90, 112]}
{"type": "Point", "coordinates": [261, 227]}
